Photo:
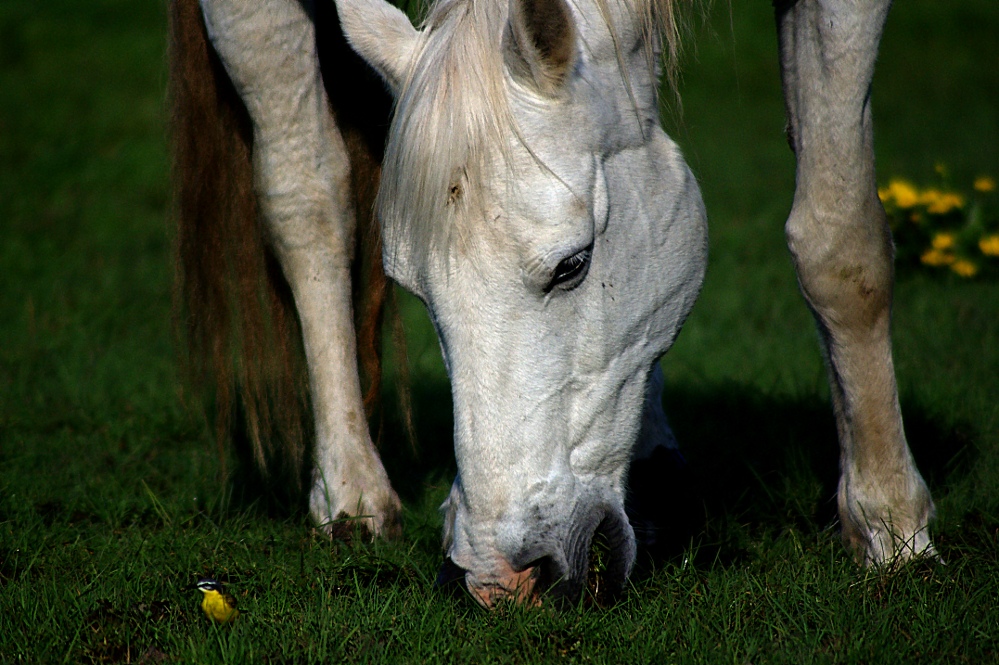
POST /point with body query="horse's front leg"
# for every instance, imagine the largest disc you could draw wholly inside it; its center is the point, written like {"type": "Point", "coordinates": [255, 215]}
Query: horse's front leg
{"type": "Point", "coordinates": [842, 250]}
{"type": "Point", "coordinates": [301, 172]}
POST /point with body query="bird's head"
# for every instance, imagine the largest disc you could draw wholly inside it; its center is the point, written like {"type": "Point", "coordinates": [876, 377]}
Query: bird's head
{"type": "Point", "coordinates": [208, 585]}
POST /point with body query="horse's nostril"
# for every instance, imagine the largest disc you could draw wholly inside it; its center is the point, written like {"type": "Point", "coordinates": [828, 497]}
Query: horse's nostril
{"type": "Point", "coordinates": [598, 561]}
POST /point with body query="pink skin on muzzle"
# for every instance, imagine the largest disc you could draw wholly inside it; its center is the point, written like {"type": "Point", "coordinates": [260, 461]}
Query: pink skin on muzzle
{"type": "Point", "coordinates": [507, 584]}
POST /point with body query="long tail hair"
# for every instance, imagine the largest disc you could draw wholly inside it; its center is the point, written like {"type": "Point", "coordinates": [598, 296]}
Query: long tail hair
{"type": "Point", "coordinates": [233, 307]}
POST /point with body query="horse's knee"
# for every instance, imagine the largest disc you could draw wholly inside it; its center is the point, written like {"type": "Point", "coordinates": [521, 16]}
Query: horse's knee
{"type": "Point", "coordinates": [843, 261]}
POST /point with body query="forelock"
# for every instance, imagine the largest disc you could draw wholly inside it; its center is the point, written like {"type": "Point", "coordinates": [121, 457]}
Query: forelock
{"type": "Point", "coordinates": [452, 109]}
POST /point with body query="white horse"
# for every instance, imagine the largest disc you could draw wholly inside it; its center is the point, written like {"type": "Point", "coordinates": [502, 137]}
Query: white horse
{"type": "Point", "coordinates": [530, 199]}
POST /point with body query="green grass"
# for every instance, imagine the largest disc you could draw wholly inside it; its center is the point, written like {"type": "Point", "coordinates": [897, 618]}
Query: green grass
{"type": "Point", "coordinates": [110, 497]}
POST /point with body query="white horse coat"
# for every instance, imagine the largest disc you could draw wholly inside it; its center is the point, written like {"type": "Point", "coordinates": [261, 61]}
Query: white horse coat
{"type": "Point", "coordinates": [530, 199]}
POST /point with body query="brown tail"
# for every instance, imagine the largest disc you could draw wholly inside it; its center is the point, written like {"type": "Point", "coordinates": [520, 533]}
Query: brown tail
{"type": "Point", "coordinates": [233, 305]}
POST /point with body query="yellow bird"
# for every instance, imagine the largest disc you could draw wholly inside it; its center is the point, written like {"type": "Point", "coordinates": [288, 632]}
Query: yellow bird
{"type": "Point", "coordinates": [218, 605]}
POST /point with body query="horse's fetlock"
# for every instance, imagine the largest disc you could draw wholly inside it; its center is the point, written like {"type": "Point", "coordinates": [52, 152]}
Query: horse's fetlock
{"type": "Point", "coordinates": [333, 504]}
{"type": "Point", "coordinates": [883, 524]}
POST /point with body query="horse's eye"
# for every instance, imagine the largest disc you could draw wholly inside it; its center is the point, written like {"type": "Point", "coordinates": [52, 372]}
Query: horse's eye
{"type": "Point", "coordinates": [570, 271]}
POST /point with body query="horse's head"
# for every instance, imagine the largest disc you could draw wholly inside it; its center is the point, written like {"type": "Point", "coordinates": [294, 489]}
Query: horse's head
{"type": "Point", "coordinates": [557, 238]}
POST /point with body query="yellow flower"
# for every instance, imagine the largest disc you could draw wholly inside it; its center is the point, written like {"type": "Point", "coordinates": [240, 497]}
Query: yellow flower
{"type": "Point", "coordinates": [940, 203]}
{"type": "Point", "coordinates": [964, 268]}
{"type": "Point", "coordinates": [983, 183]}
{"type": "Point", "coordinates": [901, 192]}
{"type": "Point", "coordinates": [936, 257]}
{"type": "Point", "coordinates": [943, 241]}
{"type": "Point", "coordinates": [989, 245]}
{"type": "Point", "coordinates": [941, 169]}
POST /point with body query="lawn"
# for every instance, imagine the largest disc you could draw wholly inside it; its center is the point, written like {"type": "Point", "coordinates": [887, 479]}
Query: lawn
{"type": "Point", "coordinates": [111, 494]}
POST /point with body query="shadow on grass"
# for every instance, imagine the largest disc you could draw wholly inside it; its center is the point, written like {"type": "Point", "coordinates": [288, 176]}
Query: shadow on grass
{"type": "Point", "coordinates": [758, 465]}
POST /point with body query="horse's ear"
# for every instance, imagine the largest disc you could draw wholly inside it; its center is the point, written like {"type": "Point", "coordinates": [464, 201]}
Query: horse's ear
{"type": "Point", "coordinates": [540, 43]}
{"type": "Point", "coordinates": [382, 35]}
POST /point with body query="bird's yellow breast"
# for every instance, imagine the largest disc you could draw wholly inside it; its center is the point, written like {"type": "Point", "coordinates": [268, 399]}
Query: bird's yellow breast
{"type": "Point", "coordinates": [217, 607]}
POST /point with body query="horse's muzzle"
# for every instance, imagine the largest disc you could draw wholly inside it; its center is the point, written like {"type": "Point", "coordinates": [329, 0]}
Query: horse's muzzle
{"type": "Point", "coordinates": [559, 578]}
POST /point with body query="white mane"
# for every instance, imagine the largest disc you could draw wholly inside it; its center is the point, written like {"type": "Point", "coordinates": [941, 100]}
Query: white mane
{"type": "Point", "coordinates": [455, 89]}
